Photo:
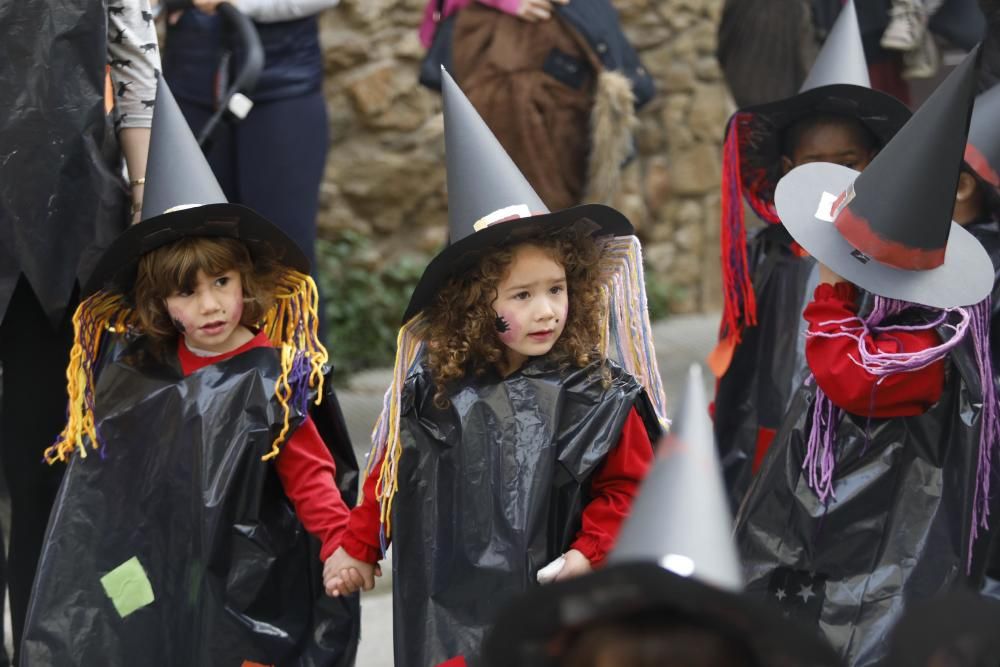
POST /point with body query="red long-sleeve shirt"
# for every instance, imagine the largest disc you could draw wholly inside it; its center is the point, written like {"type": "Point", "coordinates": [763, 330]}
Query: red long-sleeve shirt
{"type": "Point", "coordinates": [304, 465]}
{"type": "Point", "coordinates": [849, 386]}
{"type": "Point", "coordinates": [612, 490]}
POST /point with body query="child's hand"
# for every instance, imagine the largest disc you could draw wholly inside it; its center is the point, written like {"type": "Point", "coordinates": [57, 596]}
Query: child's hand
{"type": "Point", "coordinates": [343, 574]}
{"type": "Point", "coordinates": [570, 564]}
{"type": "Point", "coordinates": [828, 276]}
{"type": "Point", "coordinates": [576, 564]}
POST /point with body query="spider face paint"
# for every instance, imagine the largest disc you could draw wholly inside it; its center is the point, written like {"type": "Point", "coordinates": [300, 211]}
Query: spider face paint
{"type": "Point", "coordinates": [178, 325]}
{"type": "Point", "coordinates": [501, 325]}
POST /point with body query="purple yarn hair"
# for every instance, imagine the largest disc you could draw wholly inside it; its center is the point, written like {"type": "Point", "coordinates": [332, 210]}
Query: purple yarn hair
{"type": "Point", "coordinates": [820, 460]}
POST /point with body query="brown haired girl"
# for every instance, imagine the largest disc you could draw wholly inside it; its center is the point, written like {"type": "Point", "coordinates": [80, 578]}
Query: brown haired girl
{"type": "Point", "coordinates": [181, 543]}
{"type": "Point", "coordinates": [510, 445]}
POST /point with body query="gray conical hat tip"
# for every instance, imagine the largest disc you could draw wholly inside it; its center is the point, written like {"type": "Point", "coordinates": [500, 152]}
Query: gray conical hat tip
{"type": "Point", "coordinates": [680, 518]}
{"type": "Point", "coordinates": [842, 57]}
{"type": "Point", "coordinates": [177, 174]}
{"type": "Point", "coordinates": [484, 184]}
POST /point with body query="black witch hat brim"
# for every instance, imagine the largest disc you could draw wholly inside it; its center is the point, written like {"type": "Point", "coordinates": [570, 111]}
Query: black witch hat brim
{"type": "Point", "coordinates": [463, 254]}
{"type": "Point", "coordinates": [116, 269]}
{"type": "Point", "coordinates": [881, 113]}
{"type": "Point", "coordinates": [529, 629]}
{"type": "Point", "coordinates": [804, 198]}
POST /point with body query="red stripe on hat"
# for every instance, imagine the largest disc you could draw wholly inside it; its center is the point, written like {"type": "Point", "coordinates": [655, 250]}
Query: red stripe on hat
{"type": "Point", "coordinates": [860, 234]}
{"type": "Point", "coordinates": [981, 165]}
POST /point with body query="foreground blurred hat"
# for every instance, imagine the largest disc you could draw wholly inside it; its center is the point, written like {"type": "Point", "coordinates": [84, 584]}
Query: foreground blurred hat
{"type": "Point", "coordinates": [674, 558]}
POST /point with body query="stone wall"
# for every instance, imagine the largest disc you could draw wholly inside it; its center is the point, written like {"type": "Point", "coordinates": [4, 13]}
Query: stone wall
{"type": "Point", "coordinates": [385, 172]}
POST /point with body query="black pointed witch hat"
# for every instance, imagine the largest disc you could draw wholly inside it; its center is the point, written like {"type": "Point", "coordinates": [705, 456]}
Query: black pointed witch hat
{"type": "Point", "coordinates": [838, 84]}
{"type": "Point", "coordinates": [674, 559]}
{"type": "Point", "coordinates": [490, 203]}
{"type": "Point", "coordinates": [183, 198]}
{"type": "Point", "coordinates": [889, 229]}
{"type": "Point", "coordinates": [982, 152]}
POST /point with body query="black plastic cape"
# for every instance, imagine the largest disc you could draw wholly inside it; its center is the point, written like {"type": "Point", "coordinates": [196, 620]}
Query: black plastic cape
{"type": "Point", "coordinates": [58, 188]}
{"type": "Point", "coordinates": [896, 531]}
{"type": "Point", "coordinates": [490, 491]}
{"type": "Point", "coordinates": [180, 486]}
{"type": "Point", "coordinates": [768, 363]}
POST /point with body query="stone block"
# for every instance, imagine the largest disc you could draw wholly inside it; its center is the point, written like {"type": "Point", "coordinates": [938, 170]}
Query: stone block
{"type": "Point", "coordinates": [695, 170]}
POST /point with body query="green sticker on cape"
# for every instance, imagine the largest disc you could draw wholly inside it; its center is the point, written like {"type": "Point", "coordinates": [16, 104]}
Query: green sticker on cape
{"type": "Point", "coordinates": [128, 587]}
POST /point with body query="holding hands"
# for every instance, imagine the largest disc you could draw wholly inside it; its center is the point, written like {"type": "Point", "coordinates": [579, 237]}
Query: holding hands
{"type": "Point", "coordinates": [343, 574]}
{"type": "Point", "coordinates": [538, 10]}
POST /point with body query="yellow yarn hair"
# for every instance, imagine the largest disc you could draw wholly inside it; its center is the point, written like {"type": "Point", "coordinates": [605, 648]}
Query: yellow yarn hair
{"type": "Point", "coordinates": [93, 317]}
{"type": "Point", "coordinates": [626, 337]}
{"type": "Point", "coordinates": [291, 324]}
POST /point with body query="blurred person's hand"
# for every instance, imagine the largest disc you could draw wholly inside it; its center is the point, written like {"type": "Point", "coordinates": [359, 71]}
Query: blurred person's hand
{"type": "Point", "coordinates": [538, 10]}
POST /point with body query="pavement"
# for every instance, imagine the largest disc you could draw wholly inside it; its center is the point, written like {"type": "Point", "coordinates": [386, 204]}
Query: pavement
{"type": "Point", "coordinates": [680, 341]}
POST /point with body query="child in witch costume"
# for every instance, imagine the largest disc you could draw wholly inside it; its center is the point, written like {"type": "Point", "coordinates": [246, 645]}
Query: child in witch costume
{"type": "Point", "coordinates": [671, 593]}
{"type": "Point", "coordinates": [836, 117]}
{"type": "Point", "coordinates": [876, 492]}
{"type": "Point", "coordinates": [181, 542]}
{"type": "Point", "coordinates": [509, 446]}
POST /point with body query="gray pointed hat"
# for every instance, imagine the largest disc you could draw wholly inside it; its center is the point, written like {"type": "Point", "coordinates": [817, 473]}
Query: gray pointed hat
{"type": "Point", "coordinates": [182, 198]}
{"type": "Point", "coordinates": [674, 559]}
{"type": "Point", "coordinates": [838, 84]}
{"type": "Point", "coordinates": [662, 528]}
{"type": "Point", "coordinates": [490, 203]}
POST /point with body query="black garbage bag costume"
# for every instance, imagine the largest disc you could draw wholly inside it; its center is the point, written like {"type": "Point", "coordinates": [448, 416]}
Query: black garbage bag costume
{"type": "Point", "coordinates": [903, 483]}
{"type": "Point", "coordinates": [853, 518]}
{"type": "Point", "coordinates": [767, 279]}
{"type": "Point", "coordinates": [505, 469]}
{"type": "Point", "coordinates": [228, 562]}
{"type": "Point", "coordinates": [768, 363]}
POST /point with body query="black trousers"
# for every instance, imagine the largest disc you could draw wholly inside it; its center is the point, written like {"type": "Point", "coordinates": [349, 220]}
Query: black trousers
{"type": "Point", "coordinates": [32, 413]}
{"type": "Point", "coordinates": [273, 162]}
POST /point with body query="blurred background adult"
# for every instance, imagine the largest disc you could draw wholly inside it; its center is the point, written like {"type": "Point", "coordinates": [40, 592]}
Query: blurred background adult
{"type": "Point", "coordinates": [273, 159]}
{"type": "Point", "coordinates": [556, 81]}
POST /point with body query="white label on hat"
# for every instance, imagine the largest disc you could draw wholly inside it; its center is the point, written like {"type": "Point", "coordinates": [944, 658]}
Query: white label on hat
{"type": "Point", "coordinates": [502, 215]}
{"type": "Point", "coordinates": [825, 209]}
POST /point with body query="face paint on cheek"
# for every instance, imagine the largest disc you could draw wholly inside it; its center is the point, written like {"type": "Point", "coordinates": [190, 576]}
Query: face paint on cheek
{"type": "Point", "coordinates": [508, 332]}
{"type": "Point", "coordinates": [178, 325]}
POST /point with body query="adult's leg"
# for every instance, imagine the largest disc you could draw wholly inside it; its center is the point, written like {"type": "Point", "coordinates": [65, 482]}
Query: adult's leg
{"type": "Point", "coordinates": [281, 153]}
{"type": "Point", "coordinates": [221, 152]}
{"type": "Point", "coordinates": [280, 157]}
{"type": "Point", "coordinates": [34, 358]}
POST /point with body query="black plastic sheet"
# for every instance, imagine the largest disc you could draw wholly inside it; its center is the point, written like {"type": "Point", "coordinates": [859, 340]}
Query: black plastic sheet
{"type": "Point", "coordinates": [768, 363]}
{"type": "Point", "coordinates": [490, 491]}
{"type": "Point", "coordinates": [180, 486]}
{"type": "Point", "coordinates": [59, 191]}
{"type": "Point", "coordinates": [897, 530]}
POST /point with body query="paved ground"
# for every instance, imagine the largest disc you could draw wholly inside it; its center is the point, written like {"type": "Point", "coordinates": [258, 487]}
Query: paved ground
{"type": "Point", "coordinates": [680, 341]}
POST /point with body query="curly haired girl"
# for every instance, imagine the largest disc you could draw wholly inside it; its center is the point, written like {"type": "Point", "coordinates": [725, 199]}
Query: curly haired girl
{"type": "Point", "coordinates": [511, 441]}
